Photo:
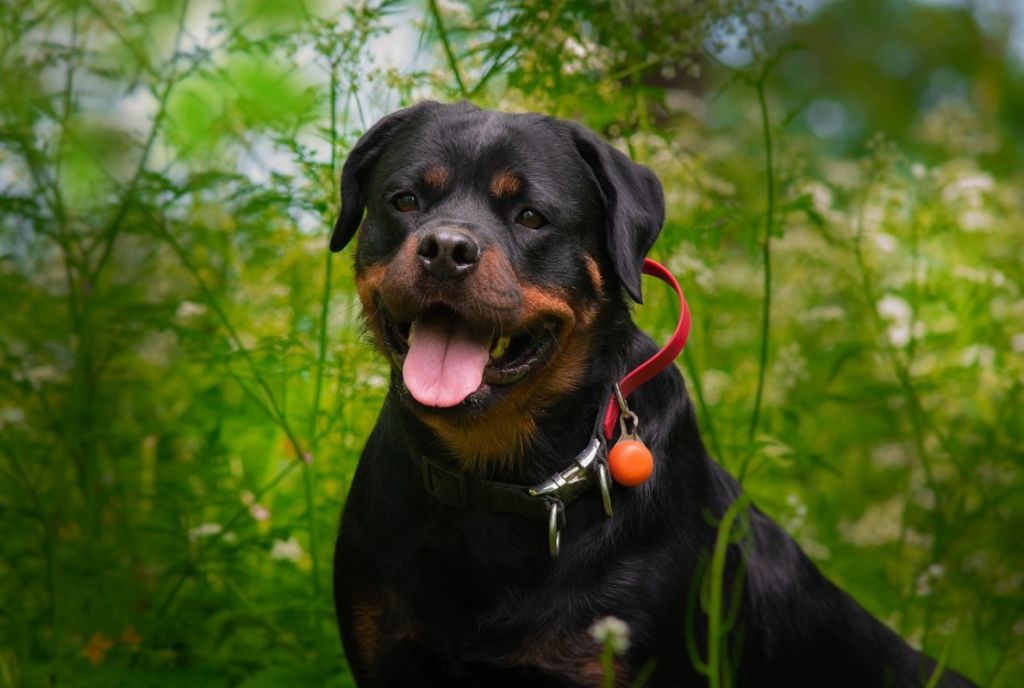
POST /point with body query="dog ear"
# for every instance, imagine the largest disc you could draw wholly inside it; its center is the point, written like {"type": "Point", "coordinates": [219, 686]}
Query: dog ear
{"type": "Point", "coordinates": [360, 160]}
{"type": "Point", "coordinates": [634, 205]}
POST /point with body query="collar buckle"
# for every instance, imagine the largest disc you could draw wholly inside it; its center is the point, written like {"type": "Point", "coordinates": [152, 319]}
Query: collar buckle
{"type": "Point", "coordinates": [573, 481]}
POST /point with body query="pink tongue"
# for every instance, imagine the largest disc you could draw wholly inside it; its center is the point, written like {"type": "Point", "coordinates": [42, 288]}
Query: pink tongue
{"type": "Point", "coordinates": [445, 363]}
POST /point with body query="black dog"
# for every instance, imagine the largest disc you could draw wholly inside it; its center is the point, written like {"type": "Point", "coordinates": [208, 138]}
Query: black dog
{"type": "Point", "coordinates": [495, 266]}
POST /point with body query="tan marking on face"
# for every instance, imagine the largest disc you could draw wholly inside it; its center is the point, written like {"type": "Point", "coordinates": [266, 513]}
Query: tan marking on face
{"type": "Point", "coordinates": [437, 177]}
{"type": "Point", "coordinates": [494, 282]}
{"type": "Point", "coordinates": [502, 434]}
{"type": "Point", "coordinates": [505, 184]}
{"type": "Point", "coordinates": [368, 284]}
{"type": "Point", "coordinates": [595, 274]}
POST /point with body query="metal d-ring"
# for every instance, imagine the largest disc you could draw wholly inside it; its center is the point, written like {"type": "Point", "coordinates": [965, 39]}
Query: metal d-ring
{"type": "Point", "coordinates": [620, 399]}
{"type": "Point", "coordinates": [628, 421]}
{"type": "Point", "coordinates": [604, 482]}
{"type": "Point", "coordinates": [556, 518]}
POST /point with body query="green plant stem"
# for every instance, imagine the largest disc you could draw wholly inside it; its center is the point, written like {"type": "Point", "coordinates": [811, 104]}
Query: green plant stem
{"type": "Point", "coordinates": [499, 62]}
{"type": "Point", "coordinates": [766, 261]}
{"type": "Point", "coordinates": [695, 596]}
{"type": "Point", "coordinates": [718, 676]}
{"type": "Point", "coordinates": [443, 33]}
{"type": "Point", "coordinates": [608, 665]}
{"type": "Point", "coordinates": [644, 675]}
{"type": "Point", "coordinates": [940, 665]}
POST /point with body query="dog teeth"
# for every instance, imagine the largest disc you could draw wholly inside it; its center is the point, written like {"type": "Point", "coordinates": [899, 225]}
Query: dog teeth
{"type": "Point", "coordinates": [500, 347]}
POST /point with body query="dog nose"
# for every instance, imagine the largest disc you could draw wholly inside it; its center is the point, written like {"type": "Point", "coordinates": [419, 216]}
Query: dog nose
{"type": "Point", "coordinates": [448, 253]}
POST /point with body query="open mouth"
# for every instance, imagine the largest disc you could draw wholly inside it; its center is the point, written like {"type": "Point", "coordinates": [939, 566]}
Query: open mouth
{"type": "Point", "coordinates": [446, 358]}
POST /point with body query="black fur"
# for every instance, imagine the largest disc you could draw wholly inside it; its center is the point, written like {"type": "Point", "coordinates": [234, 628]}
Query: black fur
{"type": "Point", "coordinates": [431, 595]}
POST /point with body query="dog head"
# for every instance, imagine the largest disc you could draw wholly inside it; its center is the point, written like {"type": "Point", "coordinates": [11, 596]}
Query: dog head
{"type": "Point", "coordinates": [489, 246]}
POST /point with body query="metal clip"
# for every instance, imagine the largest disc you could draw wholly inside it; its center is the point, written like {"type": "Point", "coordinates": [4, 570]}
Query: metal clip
{"type": "Point", "coordinates": [628, 425]}
{"type": "Point", "coordinates": [604, 482]}
{"type": "Point", "coordinates": [567, 484]}
{"type": "Point", "coordinates": [628, 421]}
{"type": "Point", "coordinates": [621, 399]}
{"type": "Point", "coordinates": [556, 520]}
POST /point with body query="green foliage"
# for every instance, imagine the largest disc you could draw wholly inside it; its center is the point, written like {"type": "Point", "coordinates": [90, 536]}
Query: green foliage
{"type": "Point", "coordinates": [183, 386]}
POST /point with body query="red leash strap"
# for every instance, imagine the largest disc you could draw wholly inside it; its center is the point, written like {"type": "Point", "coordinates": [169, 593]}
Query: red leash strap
{"type": "Point", "coordinates": [659, 361]}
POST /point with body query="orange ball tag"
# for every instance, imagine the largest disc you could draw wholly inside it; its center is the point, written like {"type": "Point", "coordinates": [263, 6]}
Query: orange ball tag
{"type": "Point", "coordinates": [630, 462]}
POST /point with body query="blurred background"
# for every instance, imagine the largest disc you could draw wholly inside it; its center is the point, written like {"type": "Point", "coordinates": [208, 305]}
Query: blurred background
{"type": "Point", "coordinates": [184, 388]}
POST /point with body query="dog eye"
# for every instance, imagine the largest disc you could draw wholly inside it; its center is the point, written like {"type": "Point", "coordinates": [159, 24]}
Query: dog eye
{"type": "Point", "coordinates": [406, 202]}
{"type": "Point", "coordinates": [531, 219]}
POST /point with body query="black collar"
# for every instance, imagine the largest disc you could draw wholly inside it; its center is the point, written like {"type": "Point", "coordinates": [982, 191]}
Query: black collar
{"type": "Point", "coordinates": [454, 488]}
{"type": "Point", "coordinates": [545, 500]}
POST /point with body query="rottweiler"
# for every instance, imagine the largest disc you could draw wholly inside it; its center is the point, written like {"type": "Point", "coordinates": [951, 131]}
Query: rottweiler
{"type": "Point", "coordinates": [496, 266]}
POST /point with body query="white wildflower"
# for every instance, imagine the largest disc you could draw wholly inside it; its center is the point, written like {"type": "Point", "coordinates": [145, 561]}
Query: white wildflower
{"type": "Point", "coordinates": [259, 512]}
{"type": "Point", "coordinates": [898, 312]}
{"type": "Point", "coordinates": [794, 521]}
{"type": "Point", "coordinates": [924, 497]}
{"type": "Point", "coordinates": [574, 47]}
{"type": "Point", "coordinates": [204, 530]}
{"type": "Point", "coordinates": [878, 525]}
{"type": "Point", "coordinates": [135, 111]}
{"type": "Point", "coordinates": [685, 263]}
{"type": "Point", "coordinates": [715, 382]}
{"type": "Point", "coordinates": [993, 474]}
{"type": "Point", "coordinates": [814, 549]}
{"type": "Point", "coordinates": [980, 275]}
{"type": "Point", "coordinates": [980, 355]}
{"type": "Point", "coordinates": [895, 309]}
{"type": "Point", "coordinates": [823, 313]}
{"type": "Point", "coordinates": [611, 631]}
{"type": "Point", "coordinates": [932, 574]}
{"type": "Point", "coordinates": [288, 550]}
{"type": "Point", "coordinates": [11, 415]}
{"type": "Point", "coordinates": [976, 220]}
{"type": "Point", "coordinates": [158, 348]}
{"type": "Point", "coordinates": [884, 242]}
{"type": "Point", "coordinates": [790, 367]}
{"type": "Point", "coordinates": [1009, 584]}
{"type": "Point", "coordinates": [376, 381]}
{"type": "Point", "coordinates": [889, 455]}
{"type": "Point", "coordinates": [918, 540]}
{"type": "Point", "coordinates": [188, 309]}
{"type": "Point", "coordinates": [968, 188]}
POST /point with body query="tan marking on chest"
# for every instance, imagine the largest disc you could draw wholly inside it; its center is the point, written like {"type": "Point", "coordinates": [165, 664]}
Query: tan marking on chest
{"type": "Point", "coordinates": [374, 625]}
{"type": "Point", "coordinates": [577, 658]}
